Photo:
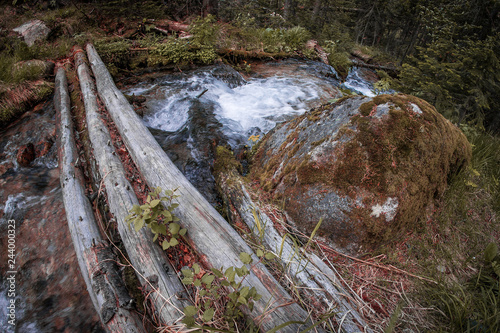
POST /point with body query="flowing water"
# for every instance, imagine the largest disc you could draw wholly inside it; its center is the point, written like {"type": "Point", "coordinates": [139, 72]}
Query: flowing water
{"type": "Point", "coordinates": [190, 113]}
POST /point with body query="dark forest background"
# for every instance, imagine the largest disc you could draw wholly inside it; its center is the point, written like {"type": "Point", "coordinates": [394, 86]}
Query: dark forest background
{"type": "Point", "coordinates": [446, 50]}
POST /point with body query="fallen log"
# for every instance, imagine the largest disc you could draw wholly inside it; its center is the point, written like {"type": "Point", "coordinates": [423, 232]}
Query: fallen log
{"type": "Point", "coordinates": [244, 54]}
{"type": "Point", "coordinates": [317, 281]}
{"type": "Point", "coordinates": [211, 236]}
{"type": "Point", "coordinates": [97, 262]}
{"type": "Point", "coordinates": [389, 69]}
{"type": "Point", "coordinates": [313, 45]}
{"type": "Point", "coordinates": [152, 266]}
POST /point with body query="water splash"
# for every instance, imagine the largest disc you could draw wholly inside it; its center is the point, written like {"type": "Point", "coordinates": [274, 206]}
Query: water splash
{"type": "Point", "coordinates": [242, 107]}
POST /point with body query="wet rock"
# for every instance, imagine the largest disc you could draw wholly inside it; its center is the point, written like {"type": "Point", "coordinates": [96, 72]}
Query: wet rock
{"type": "Point", "coordinates": [369, 167]}
{"type": "Point", "coordinates": [192, 147]}
{"type": "Point", "coordinates": [26, 155]}
{"type": "Point", "coordinates": [32, 31]}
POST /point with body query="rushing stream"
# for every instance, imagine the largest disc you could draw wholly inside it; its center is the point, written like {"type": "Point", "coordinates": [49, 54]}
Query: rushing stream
{"type": "Point", "coordinates": [190, 113]}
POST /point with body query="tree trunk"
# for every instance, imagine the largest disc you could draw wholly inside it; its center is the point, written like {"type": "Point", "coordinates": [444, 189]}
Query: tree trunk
{"type": "Point", "coordinates": [97, 263]}
{"type": "Point", "coordinates": [211, 236]}
{"type": "Point", "coordinates": [146, 257]}
{"type": "Point", "coordinates": [289, 9]}
{"type": "Point", "coordinates": [210, 7]}
{"type": "Point", "coordinates": [316, 280]}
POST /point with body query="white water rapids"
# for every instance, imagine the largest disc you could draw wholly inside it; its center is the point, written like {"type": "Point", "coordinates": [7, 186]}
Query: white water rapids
{"type": "Point", "coordinates": [245, 107]}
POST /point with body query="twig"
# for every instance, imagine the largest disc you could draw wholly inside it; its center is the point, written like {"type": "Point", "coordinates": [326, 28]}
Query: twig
{"type": "Point", "coordinates": [389, 268]}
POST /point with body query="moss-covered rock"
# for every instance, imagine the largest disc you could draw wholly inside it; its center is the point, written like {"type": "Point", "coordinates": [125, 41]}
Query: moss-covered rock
{"type": "Point", "coordinates": [370, 167]}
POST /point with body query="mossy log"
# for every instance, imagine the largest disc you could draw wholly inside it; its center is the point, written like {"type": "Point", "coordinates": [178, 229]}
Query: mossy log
{"type": "Point", "coordinates": [96, 261]}
{"type": "Point", "coordinates": [314, 278]}
{"type": "Point", "coordinates": [256, 54]}
{"type": "Point", "coordinates": [149, 261]}
{"type": "Point", "coordinates": [217, 243]}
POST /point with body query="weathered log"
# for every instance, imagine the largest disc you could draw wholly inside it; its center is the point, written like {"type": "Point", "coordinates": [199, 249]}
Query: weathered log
{"type": "Point", "coordinates": [317, 281]}
{"type": "Point", "coordinates": [209, 234]}
{"type": "Point", "coordinates": [389, 69]}
{"type": "Point", "coordinates": [173, 25]}
{"type": "Point", "coordinates": [96, 261]}
{"type": "Point", "coordinates": [313, 45]}
{"type": "Point", "coordinates": [256, 54]}
{"type": "Point", "coordinates": [146, 257]}
{"type": "Point", "coordinates": [160, 30]}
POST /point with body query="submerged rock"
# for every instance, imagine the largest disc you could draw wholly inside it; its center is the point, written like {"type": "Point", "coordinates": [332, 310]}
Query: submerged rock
{"type": "Point", "coordinates": [369, 167]}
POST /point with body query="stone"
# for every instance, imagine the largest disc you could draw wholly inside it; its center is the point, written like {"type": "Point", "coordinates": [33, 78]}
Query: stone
{"type": "Point", "coordinates": [26, 155]}
{"type": "Point", "coordinates": [370, 168]}
{"type": "Point", "coordinates": [32, 31]}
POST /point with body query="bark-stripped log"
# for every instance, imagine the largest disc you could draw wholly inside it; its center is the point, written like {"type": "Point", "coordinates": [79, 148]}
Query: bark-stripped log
{"type": "Point", "coordinates": [317, 281]}
{"type": "Point", "coordinates": [211, 236]}
{"type": "Point", "coordinates": [96, 260]}
{"type": "Point", "coordinates": [144, 255]}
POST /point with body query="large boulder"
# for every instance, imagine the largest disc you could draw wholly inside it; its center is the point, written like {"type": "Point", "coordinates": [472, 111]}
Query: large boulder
{"type": "Point", "coordinates": [369, 167]}
{"type": "Point", "coordinates": [32, 31]}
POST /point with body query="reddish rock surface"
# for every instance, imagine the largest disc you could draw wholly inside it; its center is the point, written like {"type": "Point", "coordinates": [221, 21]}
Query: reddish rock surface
{"type": "Point", "coordinates": [26, 155]}
{"type": "Point", "coordinates": [51, 293]}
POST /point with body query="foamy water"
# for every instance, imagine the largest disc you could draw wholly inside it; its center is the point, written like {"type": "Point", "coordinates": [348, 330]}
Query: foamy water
{"type": "Point", "coordinates": [254, 106]}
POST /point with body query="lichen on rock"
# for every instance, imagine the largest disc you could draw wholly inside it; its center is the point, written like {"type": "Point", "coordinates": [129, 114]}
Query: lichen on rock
{"type": "Point", "coordinates": [370, 167]}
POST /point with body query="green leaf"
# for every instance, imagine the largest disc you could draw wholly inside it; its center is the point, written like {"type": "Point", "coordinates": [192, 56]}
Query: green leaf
{"type": "Point", "coordinates": [208, 314]}
{"type": "Point", "coordinates": [190, 311]}
{"type": "Point", "coordinates": [242, 300]}
{"type": "Point", "coordinates": [174, 228]}
{"type": "Point", "coordinates": [490, 252]}
{"type": "Point", "coordinates": [232, 296]}
{"type": "Point", "coordinates": [187, 281]}
{"type": "Point", "coordinates": [187, 273]}
{"type": "Point", "coordinates": [189, 321]}
{"type": "Point", "coordinates": [196, 268]}
{"type": "Point", "coordinates": [182, 232]}
{"type": "Point", "coordinates": [202, 292]}
{"type": "Point", "coordinates": [155, 238]}
{"type": "Point", "coordinates": [217, 272]}
{"type": "Point", "coordinates": [270, 256]}
{"type": "Point", "coordinates": [155, 203]}
{"type": "Point", "coordinates": [259, 253]}
{"type": "Point", "coordinates": [230, 274]}
{"type": "Point", "coordinates": [174, 242]}
{"type": "Point", "coordinates": [197, 283]}
{"type": "Point", "coordinates": [207, 279]}
{"type": "Point", "coordinates": [244, 291]}
{"type": "Point", "coordinates": [225, 283]}
{"type": "Point", "coordinates": [245, 258]}
{"type": "Point", "coordinates": [173, 206]}
{"type": "Point", "coordinates": [165, 245]}
{"type": "Point", "coordinates": [138, 225]}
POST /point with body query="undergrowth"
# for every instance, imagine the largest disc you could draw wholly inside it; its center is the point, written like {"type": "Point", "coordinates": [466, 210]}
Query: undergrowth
{"type": "Point", "coordinates": [458, 248]}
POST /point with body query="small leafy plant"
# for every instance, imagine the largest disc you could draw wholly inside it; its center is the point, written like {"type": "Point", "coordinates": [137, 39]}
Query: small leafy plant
{"type": "Point", "coordinates": [209, 291]}
{"type": "Point", "coordinates": [159, 219]}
